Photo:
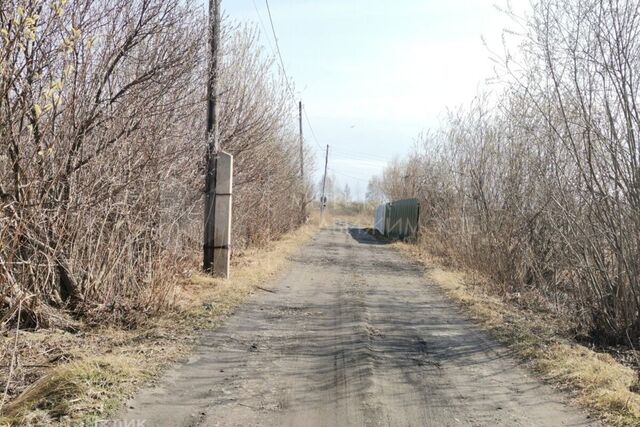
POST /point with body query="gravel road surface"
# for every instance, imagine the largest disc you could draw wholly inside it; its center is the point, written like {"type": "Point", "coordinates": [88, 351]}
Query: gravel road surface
{"type": "Point", "coordinates": [352, 335]}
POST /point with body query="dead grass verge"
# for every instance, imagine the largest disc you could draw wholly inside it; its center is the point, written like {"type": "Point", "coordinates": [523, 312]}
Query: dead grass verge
{"type": "Point", "coordinates": [88, 388]}
{"type": "Point", "coordinates": [595, 380]}
{"type": "Point", "coordinates": [63, 378]}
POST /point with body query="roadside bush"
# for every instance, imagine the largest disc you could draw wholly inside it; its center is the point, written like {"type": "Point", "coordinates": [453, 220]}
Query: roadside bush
{"type": "Point", "coordinates": [539, 187]}
{"type": "Point", "coordinates": [102, 153]}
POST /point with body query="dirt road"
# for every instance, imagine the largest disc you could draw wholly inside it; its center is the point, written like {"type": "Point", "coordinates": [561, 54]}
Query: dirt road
{"type": "Point", "coordinates": [354, 335]}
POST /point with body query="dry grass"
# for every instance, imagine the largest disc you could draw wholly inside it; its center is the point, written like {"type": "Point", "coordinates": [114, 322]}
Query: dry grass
{"type": "Point", "coordinates": [64, 378]}
{"type": "Point", "coordinates": [596, 380]}
{"type": "Point", "coordinates": [89, 388]}
{"type": "Point", "coordinates": [203, 296]}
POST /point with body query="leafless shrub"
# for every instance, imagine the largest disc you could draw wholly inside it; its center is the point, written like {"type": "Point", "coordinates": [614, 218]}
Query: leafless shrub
{"type": "Point", "coordinates": [101, 153]}
{"type": "Point", "coordinates": [540, 189]}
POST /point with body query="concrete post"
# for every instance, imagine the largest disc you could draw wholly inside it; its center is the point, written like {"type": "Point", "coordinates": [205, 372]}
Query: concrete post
{"type": "Point", "coordinates": [222, 229]}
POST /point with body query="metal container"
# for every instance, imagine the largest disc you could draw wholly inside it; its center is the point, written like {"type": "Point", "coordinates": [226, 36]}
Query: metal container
{"type": "Point", "coordinates": [398, 219]}
{"type": "Point", "coordinates": [380, 219]}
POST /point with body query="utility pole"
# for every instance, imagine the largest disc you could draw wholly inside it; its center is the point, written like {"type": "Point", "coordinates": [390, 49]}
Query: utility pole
{"type": "Point", "coordinates": [213, 137]}
{"type": "Point", "coordinates": [301, 141]}
{"type": "Point", "coordinates": [302, 188]}
{"type": "Point", "coordinates": [323, 200]}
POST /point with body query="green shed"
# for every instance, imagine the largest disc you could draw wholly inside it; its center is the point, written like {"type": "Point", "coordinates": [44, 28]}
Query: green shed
{"type": "Point", "coordinates": [398, 219]}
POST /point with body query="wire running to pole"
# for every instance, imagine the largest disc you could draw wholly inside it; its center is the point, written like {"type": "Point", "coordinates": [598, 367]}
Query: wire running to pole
{"type": "Point", "coordinates": [264, 27]}
{"type": "Point", "coordinates": [348, 176]}
{"type": "Point", "coordinates": [286, 76]}
{"type": "Point", "coordinates": [275, 38]}
{"type": "Point", "coordinates": [313, 134]}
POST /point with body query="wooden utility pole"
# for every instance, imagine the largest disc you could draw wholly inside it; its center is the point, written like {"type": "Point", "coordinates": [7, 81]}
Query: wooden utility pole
{"type": "Point", "coordinates": [303, 190]}
{"type": "Point", "coordinates": [213, 137]}
{"type": "Point", "coordinates": [323, 200]}
{"type": "Point", "coordinates": [301, 141]}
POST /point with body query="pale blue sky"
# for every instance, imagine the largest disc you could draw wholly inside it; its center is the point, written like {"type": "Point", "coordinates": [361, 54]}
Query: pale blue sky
{"type": "Point", "coordinates": [374, 74]}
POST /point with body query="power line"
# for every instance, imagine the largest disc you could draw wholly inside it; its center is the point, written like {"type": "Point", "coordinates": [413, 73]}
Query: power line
{"type": "Point", "coordinates": [353, 154]}
{"type": "Point", "coordinates": [264, 28]}
{"type": "Point", "coordinates": [364, 163]}
{"type": "Point", "coordinates": [348, 176]}
{"type": "Point", "coordinates": [362, 153]}
{"type": "Point", "coordinates": [275, 38]}
{"type": "Point", "coordinates": [313, 133]}
{"type": "Point", "coordinates": [286, 77]}
{"type": "Point", "coordinates": [284, 71]}
{"type": "Point", "coordinates": [362, 156]}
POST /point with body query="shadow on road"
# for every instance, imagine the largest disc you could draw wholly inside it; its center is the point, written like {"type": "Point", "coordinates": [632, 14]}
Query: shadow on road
{"type": "Point", "coordinates": [362, 235]}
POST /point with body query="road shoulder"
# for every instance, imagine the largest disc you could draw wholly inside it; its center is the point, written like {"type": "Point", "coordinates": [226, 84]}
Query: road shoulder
{"type": "Point", "coordinates": [86, 377]}
{"type": "Point", "coordinates": [595, 381]}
